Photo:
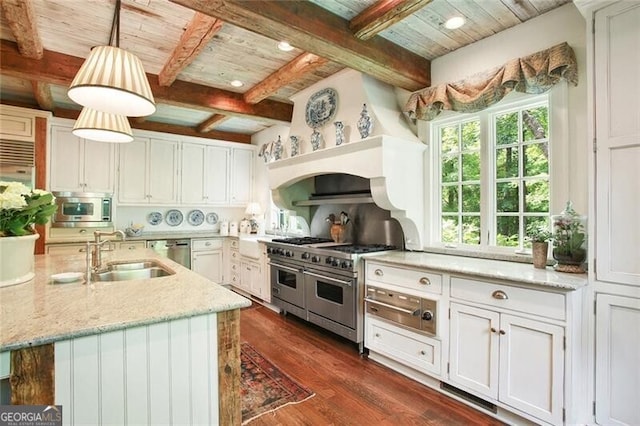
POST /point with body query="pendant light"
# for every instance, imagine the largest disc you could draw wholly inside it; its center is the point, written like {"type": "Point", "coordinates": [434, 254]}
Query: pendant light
{"type": "Point", "coordinates": [102, 126]}
{"type": "Point", "coordinates": [113, 80]}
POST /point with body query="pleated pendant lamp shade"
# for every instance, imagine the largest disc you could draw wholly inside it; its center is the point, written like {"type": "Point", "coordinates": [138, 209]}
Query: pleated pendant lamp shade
{"type": "Point", "coordinates": [113, 80]}
{"type": "Point", "coordinates": [102, 126]}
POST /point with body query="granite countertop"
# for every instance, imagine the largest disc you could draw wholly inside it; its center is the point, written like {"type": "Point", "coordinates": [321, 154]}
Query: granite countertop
{"type": "Point", "coordinates": [164, 235]}
{"type": "Point", "coordinates": [38, 311]}
{"type": "Point", "coordinates": [521, 273]}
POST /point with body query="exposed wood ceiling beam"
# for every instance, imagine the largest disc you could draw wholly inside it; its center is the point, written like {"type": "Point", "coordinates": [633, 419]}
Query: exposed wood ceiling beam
{"type": "Point", "coordinates": [289, 73]}
{"type": "Point", "coordinates": [313, 29]}
{"type": "Point", "coordinates": [167, 128]}
{"type": "Point", "coordinates": [211, 122]}
{"type": "Point", "coordinates": [195, 38]}
{"type": "Point", "coordinates": [383, 14]}
{"type": "Point", "coordinates": [57, 68]}
{"type": "Point", "coordinates": [21, 19]}
{"type": "Point", "coordinates": [42, 93]}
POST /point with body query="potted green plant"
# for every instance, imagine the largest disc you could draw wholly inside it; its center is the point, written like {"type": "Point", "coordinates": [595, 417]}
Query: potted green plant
{"type": "Point", "coordinates": [569, 240]}
{"type": "Point", "coordinates": [539, 235]}
{"type": "Point", "coordinates": [20, 209]}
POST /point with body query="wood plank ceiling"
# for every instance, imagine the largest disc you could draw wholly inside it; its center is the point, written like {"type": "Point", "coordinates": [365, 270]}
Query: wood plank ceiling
{"type": "Point", "coordinates": [193, 49]}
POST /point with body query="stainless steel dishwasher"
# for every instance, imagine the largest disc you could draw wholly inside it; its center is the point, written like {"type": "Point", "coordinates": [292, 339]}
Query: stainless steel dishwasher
{"type": "Point", "coordinates": [176, 250]}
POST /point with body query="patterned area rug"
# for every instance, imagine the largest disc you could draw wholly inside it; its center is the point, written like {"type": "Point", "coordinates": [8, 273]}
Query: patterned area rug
{"type": "Point", "coordinates": [264, 388]}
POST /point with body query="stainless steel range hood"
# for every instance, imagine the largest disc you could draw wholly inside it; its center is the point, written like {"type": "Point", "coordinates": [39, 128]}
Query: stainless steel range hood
{"type": "Point", "coordinates": [393, 166]}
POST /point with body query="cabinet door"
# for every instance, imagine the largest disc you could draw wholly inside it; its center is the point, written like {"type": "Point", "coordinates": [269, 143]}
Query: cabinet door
{"type": "Point", "coordinates": [163, 168]}
{"type": "Point", "coordinates": [474, 349]}
{"type": "Point", "coordinates": [132, 183]}
{"type": "Point", "coordinates": [65, 160]}
{"type": "Point", "coordinates": [99, 166]}
{"type": "Point", "coordinates": [617, 360]}
{"type": "Point", "coordinates": [192, 174]}
{"type": "Point", "coordinates": [255, 284]}
{"type": "Point", "coordinates": [532, 367]}
{"type": "Point", "coordinates": [217, 175]}
{"type": "Point", "coordinates": [241, 176]}
{"type": "Point", "coordinates": [617, 61]}
{"type": "Point", "coordinates": [208, 264]}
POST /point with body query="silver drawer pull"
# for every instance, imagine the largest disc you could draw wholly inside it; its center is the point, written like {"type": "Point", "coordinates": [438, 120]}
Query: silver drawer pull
{"type": "Point", "coordinates": [82, 231]}
{"type": "Point", "coordinates": [499, 294]}
{"type": "Point", "coordinates": [395, 308]}
{"type": "Point", "coordinates": [425, 281]}
{"type": "Point", "coordinates": [378, 272]}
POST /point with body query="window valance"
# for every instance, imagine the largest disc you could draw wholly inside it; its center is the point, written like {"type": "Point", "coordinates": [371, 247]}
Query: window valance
{"type": "Point", "coordinates": [532, 74]}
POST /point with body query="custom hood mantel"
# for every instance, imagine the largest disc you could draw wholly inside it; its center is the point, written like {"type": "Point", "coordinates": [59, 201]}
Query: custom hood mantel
{"type": "Point", "coordinates": [394, 167]}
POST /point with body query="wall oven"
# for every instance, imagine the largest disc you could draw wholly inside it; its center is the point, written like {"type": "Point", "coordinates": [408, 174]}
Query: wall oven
{"type": "Point", "coordinates": [82, 209]}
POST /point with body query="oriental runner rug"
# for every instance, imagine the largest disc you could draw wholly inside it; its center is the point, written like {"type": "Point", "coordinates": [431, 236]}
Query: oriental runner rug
{"type": "Point", "coordinates": [264, 387]}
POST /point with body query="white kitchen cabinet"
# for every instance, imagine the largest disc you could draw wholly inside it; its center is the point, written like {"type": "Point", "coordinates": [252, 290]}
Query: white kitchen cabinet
{"type": "Point", "coordinates": [66, 248]}
{"type": "Point", "coordinates": [206, 258]}
{"type": "Point", "coordinates": [617, 360]}
{"type": "Point", "coordinates": [507, 358]}
{"type": "Point", "coordinates": [204, 174]}
{"type": "Point", "coordinates": [241, 176]}
{"type": "Point", "coordinates": [617, 171]}
{"type": "Point", "coordinates": [131, 245]}
{"type": "Point", "coordinates": [232, 265]}
{"type": "Point", "coordinates": [80, 165]}
{"type": "Point", "coordinates": [251, 277]}
{"type": "Point", "coordinates": [148, 172]}
{"type": "Point", "coordinates": [17, 124]}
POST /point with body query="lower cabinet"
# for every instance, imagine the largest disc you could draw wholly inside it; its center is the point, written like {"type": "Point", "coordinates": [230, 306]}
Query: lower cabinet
{"type": "Point", "coordinates": [510, 359]}
{"type": "Point", "coordinates": [131, 245]}
{"type": "Point", "coordinates": [206, 258]}
{"type": "Point", "coordinates": [618, 337]}
{"type": "Point", "coordinates": [251, 276]}
{"type": "Point", "coordinates": [66, 248]}
{"type": "Point", "coordinates": [407, 347]}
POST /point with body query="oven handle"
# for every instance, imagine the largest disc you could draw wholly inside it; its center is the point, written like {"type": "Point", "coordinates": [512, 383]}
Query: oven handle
{"type": "Point", "coordinates": [347, 283]}
{"type": "Point", "coordinates": [286, 268]}
{"type": "Point", "coordinates": [387, 305]}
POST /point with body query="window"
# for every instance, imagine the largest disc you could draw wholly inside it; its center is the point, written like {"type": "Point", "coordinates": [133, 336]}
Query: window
{"type": "Point", "coordinates": [492, 174]}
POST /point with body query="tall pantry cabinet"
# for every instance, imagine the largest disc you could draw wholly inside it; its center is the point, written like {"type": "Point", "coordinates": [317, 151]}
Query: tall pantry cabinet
{"type": "Point", "coordinates": [615, 208]}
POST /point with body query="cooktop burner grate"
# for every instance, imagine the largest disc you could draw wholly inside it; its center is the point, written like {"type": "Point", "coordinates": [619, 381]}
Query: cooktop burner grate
{"type": "Point", "coordinates": [361, 249]}
{"type": "Point", "coordinates": [301, 241]}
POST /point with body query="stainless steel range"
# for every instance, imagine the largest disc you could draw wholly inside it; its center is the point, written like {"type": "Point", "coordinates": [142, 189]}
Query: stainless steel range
{"type": "Point", "coordinates": [317, 280]}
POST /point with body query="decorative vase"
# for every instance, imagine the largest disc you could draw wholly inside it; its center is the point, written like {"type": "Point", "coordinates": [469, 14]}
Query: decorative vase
{"type": "Point", "coordinates": [278, 149]}
{"type": "Point", "coordinates": [569, 240]}
{"type": "Point", "coordinates": [539, 251]}
{"type": "Point", "coordinates": [17, 259]}
{"type": "Point", "coordinates": [365, 123]}
{"type": "Point", "coordinates": [295, 145]}
{"type": "Point", "coordinates": [316, 140]}
{"type": "Point", "coordinates": [339, 132]}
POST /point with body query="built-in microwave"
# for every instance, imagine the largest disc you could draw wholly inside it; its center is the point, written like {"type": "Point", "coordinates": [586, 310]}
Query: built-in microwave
{"type": "Point", "coordinates": [85, 209]}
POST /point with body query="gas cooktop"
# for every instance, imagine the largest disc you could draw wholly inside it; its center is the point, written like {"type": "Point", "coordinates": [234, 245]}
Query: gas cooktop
{"type": "Point", "coordinates": [302, 241]}
{"type": "Point", "coordinates": [360, 248]}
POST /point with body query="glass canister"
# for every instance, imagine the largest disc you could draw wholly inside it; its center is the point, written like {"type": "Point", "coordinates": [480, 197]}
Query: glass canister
{"type": "Point", "coordinates": [569, 240]}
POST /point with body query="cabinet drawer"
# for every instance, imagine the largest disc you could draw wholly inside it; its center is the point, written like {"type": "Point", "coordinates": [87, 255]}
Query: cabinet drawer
{"type": "Point", "coordinates": [404, 346]}
{"type": "Point", "coordinates": [209, 244]}
{"type": "Point", "coordinates": [535, 302]}
{"type": "Point", "coordinates": [131, 245]}
{"type": "Point", "coordinates": [414, 279]}
{"type": "Point", "coordinates": [74, 234]}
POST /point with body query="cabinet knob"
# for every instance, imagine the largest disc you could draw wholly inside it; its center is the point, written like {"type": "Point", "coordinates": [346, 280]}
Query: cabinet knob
{"type": "Point", "coordinates": [83, 231]}
{"type": "Point", "coordinates": [132, 247]}
{"type": "Point", "coordinates": [499, 294]}
{"type": "Point", "coordinates": [502, 332]}
{"type": "Point", "coordinates": [493, 330]}
{"type": "Point", "coordinates": [425, 281]}
{"type": "Point", "coordinates": [378, 272]}
{"type": "Point", "coordinates": [423, 353]}
{"type": "Point", "coordinates": [207, 244]}
{"type": "Point", "coordinates": [377, 334]}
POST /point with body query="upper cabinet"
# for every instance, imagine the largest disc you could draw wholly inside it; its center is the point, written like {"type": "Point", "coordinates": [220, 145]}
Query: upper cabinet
{"type": "Point", "coordinates": [80, 165]}
{"type": "Point", "coordinates": [241, 176]}
{"type": "Point", "coordinates": [148, 172]}
{"type": "Point", "coordinates": [205, 174]}
{"type": "Point", "coordinates": [617, 158]}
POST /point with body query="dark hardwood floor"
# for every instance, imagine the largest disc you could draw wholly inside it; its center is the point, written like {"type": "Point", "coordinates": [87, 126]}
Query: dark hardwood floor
{"type": "Point", "coordinates": [349, 389]}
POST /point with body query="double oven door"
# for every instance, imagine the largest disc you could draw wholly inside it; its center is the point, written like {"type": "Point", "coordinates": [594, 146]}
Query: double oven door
{"type": "Point", "coordinates": [331, 296]}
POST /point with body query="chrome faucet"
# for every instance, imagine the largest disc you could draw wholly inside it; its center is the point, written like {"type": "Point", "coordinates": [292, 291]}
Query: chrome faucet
{"type": "Point", "coordinates": [96, 263]}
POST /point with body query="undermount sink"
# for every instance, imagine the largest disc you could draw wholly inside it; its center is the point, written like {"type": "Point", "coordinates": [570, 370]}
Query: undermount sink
{"type": "Point", "coordinates": [123, 271]}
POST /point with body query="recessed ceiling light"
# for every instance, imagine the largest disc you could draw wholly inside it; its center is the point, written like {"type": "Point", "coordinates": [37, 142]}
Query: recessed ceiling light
{"type": "Point", "coordinates": [455, 22]}
{"type": "Point", "coordinates": [285, 46]}
{"type": "Point", "coordinates": [237, 83]}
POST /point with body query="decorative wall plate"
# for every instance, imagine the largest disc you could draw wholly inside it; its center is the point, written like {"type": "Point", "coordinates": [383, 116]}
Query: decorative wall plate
{"type": "Point", "coordinates": [195, 217]}
{"type": "Point", "coordinates": [154, 218]}
{"type": "Point", "coordinates": [174, 217]}
{"type": "Point", "coordinates": [212, 218]}
{"type": "Point", "coordinates": [321, 108]}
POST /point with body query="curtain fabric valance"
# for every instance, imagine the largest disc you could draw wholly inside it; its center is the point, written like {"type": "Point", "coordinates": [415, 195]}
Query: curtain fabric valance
{"type": "Point", "coordinates": [532, 74]}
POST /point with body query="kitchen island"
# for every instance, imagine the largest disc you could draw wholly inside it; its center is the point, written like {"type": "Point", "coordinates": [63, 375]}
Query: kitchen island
{"type": "Point", "coordinates": [155, 350]}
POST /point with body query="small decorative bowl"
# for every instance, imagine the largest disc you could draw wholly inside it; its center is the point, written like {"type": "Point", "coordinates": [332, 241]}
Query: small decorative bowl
{"type": "Point", "coordinates": [133, 232]}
